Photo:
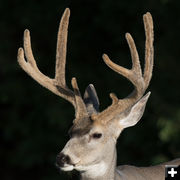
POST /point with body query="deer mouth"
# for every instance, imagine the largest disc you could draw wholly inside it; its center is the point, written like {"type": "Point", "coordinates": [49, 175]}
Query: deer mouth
{"type": "Point", "coordinates": [64, 163]}
{"type": "Point", "coordinates": [70, 167]}
{"type": "Point", "coordinates": [67, 168]}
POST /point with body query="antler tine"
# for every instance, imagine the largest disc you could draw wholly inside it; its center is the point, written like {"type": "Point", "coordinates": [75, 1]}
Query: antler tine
{"type": "Point", "coordinates": [31, 68]}
{"type": "Point", "coordinates": [61, 49]}
{"type": "Point", "coordinates": [119, 69]}
{"type": "Point", "coordinates": [81, 110]}
{"type": "Point", "coordinates": [28, 50]}
{"type": "Point", "coordinates": [148, 26]}
{"type": "Point", "coordinates": [136, 72]}
{"type": "Point", "coordinates": [134, 75]}
{"type": "Point", "coordinates": [136, 67]}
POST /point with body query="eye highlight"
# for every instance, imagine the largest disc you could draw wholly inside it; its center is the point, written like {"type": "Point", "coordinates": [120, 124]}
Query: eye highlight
{"type": "Point", "coordinates": [96, 135]}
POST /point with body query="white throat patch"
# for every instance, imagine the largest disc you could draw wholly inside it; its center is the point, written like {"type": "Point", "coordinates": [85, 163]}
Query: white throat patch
{"type": "Point", "coordinates": [93, 171]}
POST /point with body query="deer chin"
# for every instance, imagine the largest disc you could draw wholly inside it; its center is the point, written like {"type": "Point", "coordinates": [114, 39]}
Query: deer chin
{"type": "Point", "coordinates": [67, 168]}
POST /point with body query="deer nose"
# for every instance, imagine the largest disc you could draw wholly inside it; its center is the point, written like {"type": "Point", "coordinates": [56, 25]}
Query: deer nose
{"type": "Point", "coordinates": [62, 159]}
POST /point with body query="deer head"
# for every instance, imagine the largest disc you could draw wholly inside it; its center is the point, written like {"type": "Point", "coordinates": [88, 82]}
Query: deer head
{"type": "Point", "coordinates": [94, 134]}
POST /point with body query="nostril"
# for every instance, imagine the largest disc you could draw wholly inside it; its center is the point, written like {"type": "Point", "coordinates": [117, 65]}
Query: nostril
{"type": "Point", "coordinates": [66, 159]}
{"type": "Point", "coordinates": [62, 159]}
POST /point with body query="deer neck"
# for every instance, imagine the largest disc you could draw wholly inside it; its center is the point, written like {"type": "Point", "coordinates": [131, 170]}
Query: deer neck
{"type": "Point", "coordinates": [104, 170]}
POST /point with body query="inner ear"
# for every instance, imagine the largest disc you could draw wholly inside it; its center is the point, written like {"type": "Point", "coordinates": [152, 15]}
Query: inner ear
{"type": "Point", "coordinates": [131, 116]}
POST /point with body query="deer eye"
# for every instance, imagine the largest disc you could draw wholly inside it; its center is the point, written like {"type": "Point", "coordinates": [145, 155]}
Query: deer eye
{"type": "Point", "coordinates": [96, 135]}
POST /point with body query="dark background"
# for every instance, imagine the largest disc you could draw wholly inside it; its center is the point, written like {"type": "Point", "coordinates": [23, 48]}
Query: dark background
{"type": "Point", "coordinates": [34, 122]}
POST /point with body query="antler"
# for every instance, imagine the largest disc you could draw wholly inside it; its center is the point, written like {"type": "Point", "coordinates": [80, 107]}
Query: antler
{"type": "Point", "coordinates": [134, 75]}
{"type": "Point", "coordinates": [58, 84]}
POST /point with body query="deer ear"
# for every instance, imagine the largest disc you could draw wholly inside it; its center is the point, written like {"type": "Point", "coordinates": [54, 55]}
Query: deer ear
{"type": "Point", "coordinates": [91, 100]}
{"type": "Point", "coordinates": [134, 114]}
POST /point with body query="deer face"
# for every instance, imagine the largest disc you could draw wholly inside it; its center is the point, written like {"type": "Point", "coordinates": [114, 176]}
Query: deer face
{"type": "Point", "coordinates": [88, 145]}
{"type": "Point", "coordinates": [92, 142]}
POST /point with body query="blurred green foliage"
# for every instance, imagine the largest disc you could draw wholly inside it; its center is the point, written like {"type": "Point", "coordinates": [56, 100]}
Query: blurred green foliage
{"type": "Point", "coordinates": [34, 122]}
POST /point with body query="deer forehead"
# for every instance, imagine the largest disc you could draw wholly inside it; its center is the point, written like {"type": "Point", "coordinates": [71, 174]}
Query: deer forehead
{"type": "Point", "coordinates": [87, 126]}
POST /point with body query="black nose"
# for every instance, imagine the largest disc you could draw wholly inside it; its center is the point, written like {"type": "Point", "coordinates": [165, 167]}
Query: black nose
{"type": "Point", "coordinates": [62, 159]}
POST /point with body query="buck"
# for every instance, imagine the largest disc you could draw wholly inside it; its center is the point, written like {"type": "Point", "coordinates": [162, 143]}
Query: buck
{"type": "Point", "coordinates": [91, 149]}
